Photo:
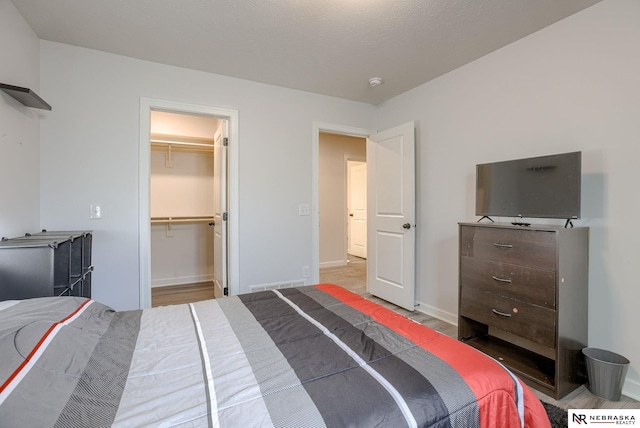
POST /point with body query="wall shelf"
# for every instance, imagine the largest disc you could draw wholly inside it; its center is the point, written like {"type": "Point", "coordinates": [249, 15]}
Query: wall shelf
{"type": "Point", "coordinates": [26, 96]}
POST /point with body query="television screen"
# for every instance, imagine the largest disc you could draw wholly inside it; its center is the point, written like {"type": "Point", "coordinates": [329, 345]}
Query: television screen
{"type": "Point", "coordinates": [540, 187]}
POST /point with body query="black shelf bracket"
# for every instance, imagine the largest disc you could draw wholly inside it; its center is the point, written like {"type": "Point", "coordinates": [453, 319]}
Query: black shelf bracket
{"type": "Point", "coordinates": [26, 96]}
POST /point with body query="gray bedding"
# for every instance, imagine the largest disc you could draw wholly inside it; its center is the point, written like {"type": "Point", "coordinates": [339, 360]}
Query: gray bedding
{"type": "Point", "coordinates": [306, 357]}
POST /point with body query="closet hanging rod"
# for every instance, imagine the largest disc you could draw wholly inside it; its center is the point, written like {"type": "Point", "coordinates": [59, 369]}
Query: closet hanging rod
{"type": "Point", "coordinates": [181, 219]}
{"type": "Point", "coordinates": [162, 143]}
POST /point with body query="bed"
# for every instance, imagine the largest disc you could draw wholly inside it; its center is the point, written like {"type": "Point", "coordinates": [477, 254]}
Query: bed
{"type": "Point", "coordinates": [301, 357]}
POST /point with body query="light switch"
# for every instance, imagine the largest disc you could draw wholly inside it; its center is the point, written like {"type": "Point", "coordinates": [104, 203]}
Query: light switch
{"type": "Point", "coordinates": [303, 209]}
{"type": "Point", "coordinates": [96, 211]}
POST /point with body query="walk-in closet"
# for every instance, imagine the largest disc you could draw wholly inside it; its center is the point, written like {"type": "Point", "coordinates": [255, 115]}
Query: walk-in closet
{"type": "Point", "coordinates": [182, 206]}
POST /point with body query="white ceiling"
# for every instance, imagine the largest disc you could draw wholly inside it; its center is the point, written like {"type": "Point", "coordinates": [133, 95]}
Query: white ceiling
{"type": "Point", "coordinates": [329, 47]}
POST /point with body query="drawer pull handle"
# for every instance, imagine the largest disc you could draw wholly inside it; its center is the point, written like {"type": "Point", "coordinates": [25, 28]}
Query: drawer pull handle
{"type": "Point", "coordinates": [502, 314]}
{"type": "Point", "coordinates": [502, 245]}
{"type": "Point", "coordinates": [508, 281]}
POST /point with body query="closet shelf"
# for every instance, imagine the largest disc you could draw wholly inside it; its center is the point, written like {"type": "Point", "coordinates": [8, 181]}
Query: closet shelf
{"type": "Point", "coordinates": [169, 220]}
{"type": "Point", "coordinates": [170, 145]}
{"type": "Point", "coordinates": [181, 145]}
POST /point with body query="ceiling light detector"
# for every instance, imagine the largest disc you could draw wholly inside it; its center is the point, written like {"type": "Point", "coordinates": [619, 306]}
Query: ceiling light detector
{"type": "Point", "coordinates": [375, 81]}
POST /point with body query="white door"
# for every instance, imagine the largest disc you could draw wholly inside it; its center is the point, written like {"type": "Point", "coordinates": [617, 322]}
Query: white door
{"type": "Point", "coordinates": [391, 215]}
{"type": "Point", "coordinates": [357, 208]}
{"type": "Point", "coordinates": [220, 210]}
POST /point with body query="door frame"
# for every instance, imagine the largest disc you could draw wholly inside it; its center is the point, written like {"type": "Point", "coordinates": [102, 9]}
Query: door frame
{"type": "Point", "coordinates": [319, 127]}
{"type": "Point", "coordinates": [144, 169]}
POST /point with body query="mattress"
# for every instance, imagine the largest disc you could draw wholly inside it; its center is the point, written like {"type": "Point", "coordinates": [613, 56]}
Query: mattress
{"type": "Point", "coordinates": [311, 356]}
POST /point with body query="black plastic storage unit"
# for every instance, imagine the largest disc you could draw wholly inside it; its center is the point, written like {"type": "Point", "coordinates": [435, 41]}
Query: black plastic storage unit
{"type": "Point", "coordinates": [49, 263]}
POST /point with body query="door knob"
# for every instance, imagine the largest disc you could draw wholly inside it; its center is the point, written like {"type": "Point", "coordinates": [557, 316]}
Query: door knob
{"type": "Point", "coordinates": [350, 215]}
{"type": "Point", "coordinates": [407, 225]}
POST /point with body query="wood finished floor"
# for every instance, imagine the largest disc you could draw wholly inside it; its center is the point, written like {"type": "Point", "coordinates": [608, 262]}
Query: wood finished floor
{"type": "Point", "coordinates": [353, 277]}
{"type": "Point", "coordinates": [178, 294]}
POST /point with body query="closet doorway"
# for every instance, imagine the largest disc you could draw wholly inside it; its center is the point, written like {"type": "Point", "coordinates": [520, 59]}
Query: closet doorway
{"type": "Point", "coordinates": [186, 164]}
{"type": "Point", "coordinates": [212, 210]}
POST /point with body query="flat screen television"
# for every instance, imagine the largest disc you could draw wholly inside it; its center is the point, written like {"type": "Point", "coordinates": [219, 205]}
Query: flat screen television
{"type": "Point", "coordinates": [539, 187]}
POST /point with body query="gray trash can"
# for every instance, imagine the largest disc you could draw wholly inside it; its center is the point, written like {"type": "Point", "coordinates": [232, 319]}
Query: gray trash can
{"type": "Point", "coordinates": [606, 371]}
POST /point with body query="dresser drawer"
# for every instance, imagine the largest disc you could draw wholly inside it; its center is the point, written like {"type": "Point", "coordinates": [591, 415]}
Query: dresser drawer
{"type": "Point", "coordinates": [531, 322]}
{"type": "Point", "coordinates": [533, 248]}
{"type": "Point", "coordinates": [535, 286]}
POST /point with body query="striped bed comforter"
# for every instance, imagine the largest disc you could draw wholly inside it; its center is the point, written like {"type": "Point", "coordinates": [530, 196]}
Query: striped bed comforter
{"type": "Point", "coordinates": [302, 357]}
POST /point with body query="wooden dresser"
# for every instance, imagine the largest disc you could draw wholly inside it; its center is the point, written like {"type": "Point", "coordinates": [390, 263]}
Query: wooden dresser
{"type": "Point", "coordinates": [523, 299]}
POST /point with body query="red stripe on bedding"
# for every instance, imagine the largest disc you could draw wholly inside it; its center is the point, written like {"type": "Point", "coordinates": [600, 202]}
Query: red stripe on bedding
{"type": "Point", "coordinates": [462, 358]}
{"type": "Point", "coordinates": [39, 344]}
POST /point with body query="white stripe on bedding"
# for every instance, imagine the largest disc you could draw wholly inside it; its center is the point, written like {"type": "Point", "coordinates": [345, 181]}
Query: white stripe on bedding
{"type": "Point", "coordinates": [519, 394]}
{"type": "Point", "coordinates": [213, 403]}
{"type": "Point", "coordinates": [165, 382]}
{"type": "Point", "coordinates": [8, 303]}
{"type": "Point", "coordinates": [240, 395]}
{"type": "Point", "coordinates": [39, 349]}
{"type": "Point", "coordinates": [402, 404]}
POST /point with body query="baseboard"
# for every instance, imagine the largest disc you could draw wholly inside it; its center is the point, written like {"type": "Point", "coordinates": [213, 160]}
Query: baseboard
{"type": "Point", "coordinates": [164, 282]}
{"type": "Point", "coordinates": [437, 313]}
{"type": "Point", "coordinates": [631, 389]}
{"type": "Point", "coordinates": [277, 285]}
{"type": "Point", "coordinates": [336, 263]}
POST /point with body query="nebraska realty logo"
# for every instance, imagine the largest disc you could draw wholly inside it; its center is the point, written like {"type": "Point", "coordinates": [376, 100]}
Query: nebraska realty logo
{"type": "Point", "coordinates": [582, 417]}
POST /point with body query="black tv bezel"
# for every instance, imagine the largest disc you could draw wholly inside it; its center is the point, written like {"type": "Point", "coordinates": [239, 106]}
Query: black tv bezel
{"type": "Point", "coordinates": [527, 215]}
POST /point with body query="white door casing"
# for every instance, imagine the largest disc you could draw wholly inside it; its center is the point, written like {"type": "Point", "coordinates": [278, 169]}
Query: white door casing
{"type": "Point", "coordinates": [357, 208]}
{"type": "Point", "coordinates": [391, 215]}
{"type": "Point", "coordinates": [219, 210]}
{"type": "Point", "coordinates": [144, 238]}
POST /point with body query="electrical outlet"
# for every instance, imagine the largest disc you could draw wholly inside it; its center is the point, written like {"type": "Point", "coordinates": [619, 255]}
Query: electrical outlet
{"type": "Point", "coordinates": [96, 211]}
{"type": "Point", "coordinates": [305, 272]}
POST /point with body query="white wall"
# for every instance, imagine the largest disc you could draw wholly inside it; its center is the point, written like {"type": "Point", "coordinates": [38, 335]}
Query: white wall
{"type": "Point", "coordinates": [184, 257]}
{"type": "Point", "coordinates": [90, 154]}
{"type": "Point", "coordinates": [19, 126]}
{"type": "Point", "coordinates": [572, 86]}
{"type": "Point", "coordinates": [181, 253]}
{"type": "Point", "coordinates": [332, 193]}
{"type": "Point", "coordinates": [184, 190]}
